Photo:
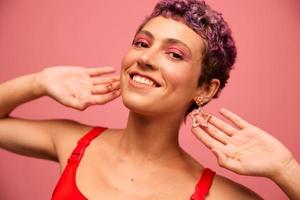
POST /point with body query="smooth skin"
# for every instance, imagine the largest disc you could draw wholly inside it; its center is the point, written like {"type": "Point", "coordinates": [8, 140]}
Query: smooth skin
{"type": "Point", "coordinates": [145, 168]}
{"type": "Point", "coordinates": [41, 138]}
{"type": "Point", "coordinates": [247, 150]}
{"type": "Point", "coordinates": [74, 87]}
{"type": "Point", "coordinates": [55, 139]}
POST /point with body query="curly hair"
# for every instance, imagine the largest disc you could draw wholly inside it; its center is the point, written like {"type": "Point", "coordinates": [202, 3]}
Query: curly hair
{"type": "Point", "coordinates": [219, 53]}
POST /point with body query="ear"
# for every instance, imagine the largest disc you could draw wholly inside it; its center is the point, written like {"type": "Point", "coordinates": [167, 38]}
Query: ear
{"type": "Point", "coordinates": [208, 91]}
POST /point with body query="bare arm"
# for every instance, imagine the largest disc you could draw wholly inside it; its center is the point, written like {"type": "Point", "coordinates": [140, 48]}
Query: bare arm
{"type": "Point", "coordinates": [74, 87]}
{"type": "Point", "coordinates": [288, 179]}
{"type": "Point", "coordinates": [35, 138]}
{"type": "Point", "coordinates": [14, 134]}
{"type": "Point", "coordinates": [18, 91]}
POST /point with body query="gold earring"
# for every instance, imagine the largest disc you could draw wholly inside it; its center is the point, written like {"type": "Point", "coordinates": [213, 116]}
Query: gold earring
{"type": "Point", "coordinates": [200, 112]}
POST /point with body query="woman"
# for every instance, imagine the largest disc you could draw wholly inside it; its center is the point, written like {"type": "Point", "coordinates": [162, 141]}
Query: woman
{"type": "Point", "coordinates": [179, 60]}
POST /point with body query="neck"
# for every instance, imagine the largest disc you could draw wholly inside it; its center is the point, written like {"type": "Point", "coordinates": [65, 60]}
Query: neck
{"type": "Point", "coordinates": [150, 139]}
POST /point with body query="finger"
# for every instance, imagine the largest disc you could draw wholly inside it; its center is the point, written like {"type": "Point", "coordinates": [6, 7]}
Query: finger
{"type": "Point", "coordinates": [113, 86]}
{"type": "Point", "coordinates": [216, 134]}
{"type": "Point", "coordinates": [103, 99]}
{"type": "Point", "coordinates": [96, 71]}
{"type": "Point", "coordinates": [235, 119]}
{"type": "Point", "coordinates": [226, 162]}
{"type": "Point", "coordinates": [103, 89]}
{"type": "Point", "coordinates": [207, 140]}
{"type": "Point", "coordinates": [76, 103]}
{"type": "Point", "coordinates": [222, 126]}
{"type": "Point", "coordinates": [220, 155]}
{"type": "Point", "coordinates": [103, 80]}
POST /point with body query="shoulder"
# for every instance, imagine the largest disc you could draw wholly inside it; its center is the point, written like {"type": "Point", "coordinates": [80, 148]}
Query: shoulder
{"type": "Point", "coordinates": [65, 135]}
{"type": "Point", "coordinates": [221, 185]}
{"type": "Point", "coordinates": [68, 134]}
{"type": "Point", "coordinates": [233, 190]}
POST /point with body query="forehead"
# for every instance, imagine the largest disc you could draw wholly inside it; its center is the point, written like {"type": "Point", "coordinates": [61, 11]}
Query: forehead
{"type": "Point", "coordinates": [163, 28]}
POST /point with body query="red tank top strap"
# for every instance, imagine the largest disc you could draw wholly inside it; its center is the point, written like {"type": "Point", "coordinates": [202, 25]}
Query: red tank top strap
{"type": "Point", "coordinates": [66, 187]}
{"type": "Point", "coordinates": [84, 142]}
{"type": "Point", "coordinates": [203, 185]}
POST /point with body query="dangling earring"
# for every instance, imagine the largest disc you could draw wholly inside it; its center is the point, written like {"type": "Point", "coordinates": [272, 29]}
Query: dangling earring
{"type": "Point", "coordinates": [205, 115]}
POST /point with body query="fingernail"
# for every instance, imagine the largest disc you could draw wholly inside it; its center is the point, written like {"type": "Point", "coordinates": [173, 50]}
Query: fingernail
{"type": "Point", "coordinates": [109, 86]}
{"type": "Point", "coordinates": [222, 110]}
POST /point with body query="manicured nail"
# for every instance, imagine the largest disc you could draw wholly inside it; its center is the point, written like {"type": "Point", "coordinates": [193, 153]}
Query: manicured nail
{"type": "Point", "coordinates": [222, 110]}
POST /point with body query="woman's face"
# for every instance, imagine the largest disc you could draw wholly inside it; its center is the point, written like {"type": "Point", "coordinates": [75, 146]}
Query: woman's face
{"type": "Point", "coordinates": [161, 69]}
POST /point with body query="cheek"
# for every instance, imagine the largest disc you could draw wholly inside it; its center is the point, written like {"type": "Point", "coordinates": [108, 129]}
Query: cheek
{"type": "Point", "coordinates": [179, 77]}
{"type": "Point", "coordinates": [181, 87]}
{"type": "Point", "coordinates": [125, 61]}
{"type": "Point", "coordinates": [128, 59]}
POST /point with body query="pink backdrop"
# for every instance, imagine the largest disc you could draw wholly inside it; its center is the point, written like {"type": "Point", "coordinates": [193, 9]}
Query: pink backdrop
{"type": "Point", "coordinates": [263, 87]}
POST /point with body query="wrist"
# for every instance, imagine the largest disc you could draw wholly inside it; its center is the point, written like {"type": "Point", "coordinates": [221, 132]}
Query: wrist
{"type": "Point", "coordinates": [37, 85]}
{"type": "Point", "coordinates": [286, 172]}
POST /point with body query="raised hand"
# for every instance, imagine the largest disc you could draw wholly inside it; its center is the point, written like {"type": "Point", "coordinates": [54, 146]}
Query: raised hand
{"type": "Point", "coordinates": [243, 148]}
{"type": "Point", "coordinates": [79, 87]}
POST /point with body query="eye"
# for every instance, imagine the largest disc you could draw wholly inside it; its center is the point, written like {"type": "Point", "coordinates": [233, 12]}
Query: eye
{"type": "Point", "coordinates": [175, 53]}
{"type": "Point", "coordinates": [140, 44]}
{"type": "Point", "coordinates": [176, 56]}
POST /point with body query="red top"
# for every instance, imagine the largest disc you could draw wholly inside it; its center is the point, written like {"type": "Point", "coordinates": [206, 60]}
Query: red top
{"type": "Point", "coordinates": [66, 188]}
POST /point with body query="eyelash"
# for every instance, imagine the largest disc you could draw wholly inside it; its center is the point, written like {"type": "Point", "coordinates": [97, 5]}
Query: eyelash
{"type": "Point", "coordinates": [136, 43]}
{"type": "Point", "coordinates": [175, 55]}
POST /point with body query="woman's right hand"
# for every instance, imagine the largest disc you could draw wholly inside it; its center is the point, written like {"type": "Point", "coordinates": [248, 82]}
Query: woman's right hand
{"type": "Point", "coordinates": [79, 87]}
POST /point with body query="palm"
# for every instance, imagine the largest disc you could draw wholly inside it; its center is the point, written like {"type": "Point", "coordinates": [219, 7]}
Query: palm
{"type": "Point", "coordinates": [246, 149]}
{"type": "Point", "coordinates": [79, 87]}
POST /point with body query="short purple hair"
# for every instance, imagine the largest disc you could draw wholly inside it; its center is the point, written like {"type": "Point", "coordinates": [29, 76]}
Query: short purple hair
{"type": "Point", "coordinates": [220, 51]}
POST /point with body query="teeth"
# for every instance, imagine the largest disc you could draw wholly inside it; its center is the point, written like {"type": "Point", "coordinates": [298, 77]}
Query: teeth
{"type": "Point", "coordinates": [143, 80]}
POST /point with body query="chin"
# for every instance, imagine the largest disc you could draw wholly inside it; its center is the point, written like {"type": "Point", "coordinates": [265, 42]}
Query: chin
{"type": "Point", "coordinates": [140, 105]}
{"type": "Point", "coordinates": [139, 100]}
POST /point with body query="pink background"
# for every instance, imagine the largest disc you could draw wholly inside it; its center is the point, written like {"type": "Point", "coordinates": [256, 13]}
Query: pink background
{"type": "Point", "coordinates": [263, 87]}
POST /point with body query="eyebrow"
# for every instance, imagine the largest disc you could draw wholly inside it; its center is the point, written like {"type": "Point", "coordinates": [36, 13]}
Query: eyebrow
{"type": "Point", "coordinates": [169, 40]}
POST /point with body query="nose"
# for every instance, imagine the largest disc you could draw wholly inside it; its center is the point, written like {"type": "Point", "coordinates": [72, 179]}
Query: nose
{"type": "Point", "coordinates": [147, 59]}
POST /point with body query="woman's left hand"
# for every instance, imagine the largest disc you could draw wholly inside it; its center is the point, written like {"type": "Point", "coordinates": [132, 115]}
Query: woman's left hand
{"type": "Point", "coordinates": [243, 148]}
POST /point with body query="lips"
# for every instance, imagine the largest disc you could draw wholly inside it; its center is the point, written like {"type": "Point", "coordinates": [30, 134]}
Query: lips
{"type": "Point", "coordinates": [131, 74]}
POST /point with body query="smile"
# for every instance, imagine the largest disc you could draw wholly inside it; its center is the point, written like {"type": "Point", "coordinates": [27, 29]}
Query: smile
{"type": "Point", "coordinates": [140, 81]}
{"type": "Point", "coordinates": [143, 80]}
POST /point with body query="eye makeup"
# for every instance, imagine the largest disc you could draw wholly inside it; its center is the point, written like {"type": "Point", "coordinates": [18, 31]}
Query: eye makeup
{"type": "Point", "coordinates": [171, 45]}
{"type": "Point", "coordinates": [177, 51]}
{"type": "Point", "coordinates": [140, 39]}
